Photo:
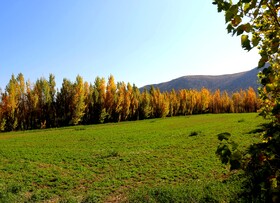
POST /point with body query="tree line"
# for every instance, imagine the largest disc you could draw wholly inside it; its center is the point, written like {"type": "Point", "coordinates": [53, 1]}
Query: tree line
{"type": "Point", "coordinates": [25, 105]}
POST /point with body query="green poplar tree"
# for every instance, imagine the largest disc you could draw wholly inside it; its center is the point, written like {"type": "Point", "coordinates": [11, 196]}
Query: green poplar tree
{"type": "Point", "coordinates": [21, 116]}
{"type": "Point", "coordinates": [99, 96]}
{"type": "Point", "coordinates": [134, 103]}
{"type": "Point", "coordinates": [51, 111]}
{"type": "Point", "coordinates": [63, 103]}
{"type": "Point", "coordinates": [31, 105]}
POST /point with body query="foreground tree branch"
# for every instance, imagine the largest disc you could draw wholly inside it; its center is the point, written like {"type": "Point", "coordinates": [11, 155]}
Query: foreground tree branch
{"type": "Point", "coordinates": [262, 31]}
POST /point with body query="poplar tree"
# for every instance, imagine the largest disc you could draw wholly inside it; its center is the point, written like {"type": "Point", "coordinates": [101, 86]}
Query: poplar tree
{"type": "Point", "coordinates": [205, 100]}
{"type": "Point", "coordinates": [173, 103]}
{"type": "Point", "coordinates": [51, 111]}
{"type": "Point", "coordinates": [78, 101]}
{"type": "Point", "coordinates": [111, 98]}
{"type": "Point", "coordinates": [236, 99]}
{"type": "Point", "coordinates": [164, 105]}
{"type": "Point", "coordinates": [160, 103]}
{"type": "Point", "coordinates": [31, 104]}
{"type": "Point", "coordinates": [226, 103]}
{"type": "Point", "coordinates": [216, 102]}
{"type": "Point", "coordinates": [183, 102]}
{"type": "Point", "coordinates": [99, 96]}
{"type": "Point", "coordinates": [123, 101]}
{"type": "Point", "coordinates": [2, 119]}
{"type": "Point", "coordinates": [12, 99]}
{"type": "Point", "coordinates": [134, 103]}
{"type": "Point", "coordinates": [88, 117]}
{"type": "Point", "coordinates": [251, 100]}
{"type": "Point", "coordinates": [21, 115]}
{"type": "Point", "coordinates": [145, 108]}
{"type": "Point", "coordinates": [191, 101]}
{"type": "Point", "coordinates": [128, 106]}
{"type": "Point", "coordinates": [42, 91]}
{"type": "Point", "coordinates": [63, 103]}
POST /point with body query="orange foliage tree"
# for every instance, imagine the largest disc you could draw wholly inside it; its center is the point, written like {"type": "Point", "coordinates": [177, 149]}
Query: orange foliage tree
{"type": "Point", "coordinates": [29, 106]}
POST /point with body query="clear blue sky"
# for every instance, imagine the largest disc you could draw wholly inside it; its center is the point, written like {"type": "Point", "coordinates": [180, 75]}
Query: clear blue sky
{"type": "Point", "coordinates": [137, 41]}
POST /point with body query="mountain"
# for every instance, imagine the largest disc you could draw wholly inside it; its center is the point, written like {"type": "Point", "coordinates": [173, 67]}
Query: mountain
{"type": "Point", "coordinates": [230, 82]}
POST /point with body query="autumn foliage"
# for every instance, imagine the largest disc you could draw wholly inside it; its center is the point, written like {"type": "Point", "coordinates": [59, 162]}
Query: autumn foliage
{"type": "Point", "coordinates": [25, 105]}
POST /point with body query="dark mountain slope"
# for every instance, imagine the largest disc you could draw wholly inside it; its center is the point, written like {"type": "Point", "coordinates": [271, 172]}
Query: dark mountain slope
{"type": "Point", "coordinates": [229, 82]}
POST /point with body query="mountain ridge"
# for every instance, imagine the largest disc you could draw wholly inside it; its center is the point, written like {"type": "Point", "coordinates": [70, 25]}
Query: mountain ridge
{"type": "Point", "coordinates": [226, 82]}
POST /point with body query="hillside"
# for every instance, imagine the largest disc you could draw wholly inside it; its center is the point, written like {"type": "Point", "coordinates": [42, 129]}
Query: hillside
{"type": "Point", "coordinates": [230, 82]}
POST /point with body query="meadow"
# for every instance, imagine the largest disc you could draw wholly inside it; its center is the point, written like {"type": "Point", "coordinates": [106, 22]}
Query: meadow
{"type": "Point", "coordinates": [156, 160]}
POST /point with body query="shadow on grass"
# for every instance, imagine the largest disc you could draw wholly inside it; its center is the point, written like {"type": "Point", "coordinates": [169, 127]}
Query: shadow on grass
{"type": "Point", "coordinates": [195, 133]}
{"type": "Point", "coordinates": [261, 128]}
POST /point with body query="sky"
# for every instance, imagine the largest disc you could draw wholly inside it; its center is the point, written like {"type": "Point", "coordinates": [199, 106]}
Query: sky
{"type": "Point", "coordinates": [138, 41]}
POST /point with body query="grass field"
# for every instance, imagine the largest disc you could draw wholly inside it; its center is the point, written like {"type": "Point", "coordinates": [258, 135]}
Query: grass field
{"type": "Point", "coordinates": [160, 160]}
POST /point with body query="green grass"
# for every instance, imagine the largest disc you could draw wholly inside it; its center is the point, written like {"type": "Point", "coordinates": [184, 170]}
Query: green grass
{"type": "Point", "coordinates": [160, 160]}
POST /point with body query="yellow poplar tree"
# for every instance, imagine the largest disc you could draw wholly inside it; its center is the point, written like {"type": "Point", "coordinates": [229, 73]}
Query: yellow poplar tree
{"type": "Point", "coordinates": [183, 101]}
{"type": "Point", "coordinates": [12, 90]}
{"type": "Point", "coordinates": [111, 97]}
{"type": "Point", "coordinates": [145, 108]}
{"type": "Point", "coordinates": [174, 104]}
{"type": "Point", "coordinates": [78, 102]}
{"type": "Point", "coordinates": [205, 100]}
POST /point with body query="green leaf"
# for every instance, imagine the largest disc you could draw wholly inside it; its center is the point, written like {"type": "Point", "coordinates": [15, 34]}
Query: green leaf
{"type": "Point", "coordinates": [247, 7]}
{"type": "Point", "coordinates": [224, 136]}
{"type": "Point", "coordinates": [239, 30]}
{"type": "Point", "coordinates": [229, 28]}
{"type": "Point", "coordinates": [244, 39]}
{"type": "Point", "coordinates": [256, 13]}
{"type": "Point", "coordinates": [255, 40]}
{"type": "Point", "coordinates": [275, 45]}
{"type": "Point", "coordinates": [220, 8]}
{"type": "Point", "coordinates": [264, 7]}
{"type": "Point", "coordinates": [227, 5]}
{"type": "Point", "coordinates": [245, 42]}
{"type": "Point", "coordinates": [228, 16]}
{"type": "Point", "coordinates": [234, 9]}
{"type": "Point", "coordinates": [262, 62]}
